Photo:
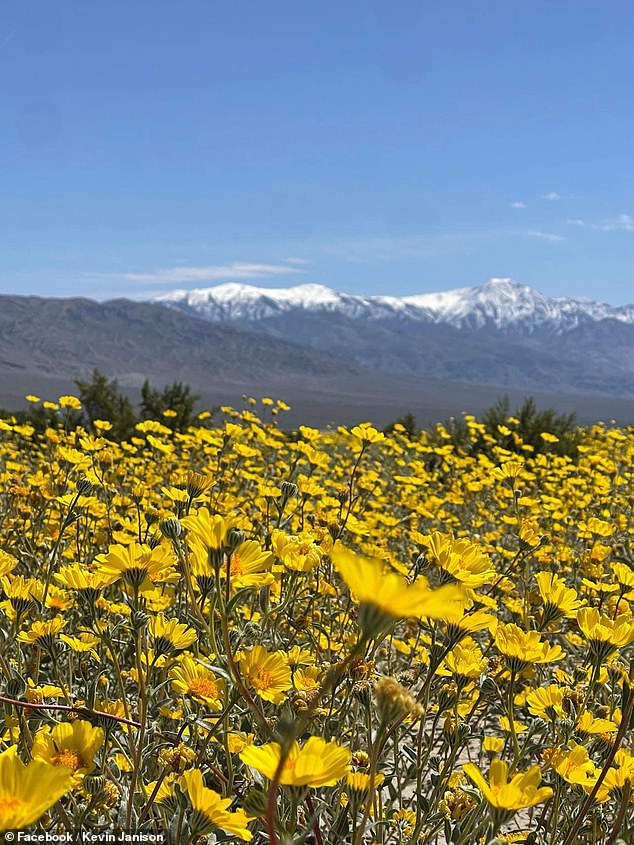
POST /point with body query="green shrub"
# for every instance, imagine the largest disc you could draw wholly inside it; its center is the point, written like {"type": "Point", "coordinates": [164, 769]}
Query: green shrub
{"type": "Point", "coordinates": [494, 429]}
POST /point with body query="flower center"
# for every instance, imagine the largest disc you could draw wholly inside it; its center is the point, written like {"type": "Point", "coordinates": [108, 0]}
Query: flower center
{"type": "Point", "coordinates": [236, 565]}
{"type": "Point", "coordinates": [67, 757]}
{"type": "Point", "coordinates": [203, 687]}
{"type": "Point", "coordinates": [263, 678]}
{"type": "Point", "coordinates": [9, 802]}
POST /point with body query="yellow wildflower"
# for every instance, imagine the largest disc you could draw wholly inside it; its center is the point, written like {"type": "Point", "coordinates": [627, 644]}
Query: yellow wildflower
{"type": "Point", "coordinates": [316, 763]}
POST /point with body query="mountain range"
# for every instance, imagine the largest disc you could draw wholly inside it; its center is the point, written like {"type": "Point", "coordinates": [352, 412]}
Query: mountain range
{"type": "Point", "coordinates": [503, 304]}
{"type": "Point", "coordinates": [501, 332]}
{"type": "Point", "coordinates": [333, 356]}
{"type": "Point", "coordinates": [138, 340]}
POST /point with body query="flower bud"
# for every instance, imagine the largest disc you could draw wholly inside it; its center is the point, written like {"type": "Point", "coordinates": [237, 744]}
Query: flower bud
{"type": "Point", "coordinates": [489, 690]}
{"type": "Point", "coordinates": [289, 490]}
{"type": "Point", "coordinates": [177, 759]}
{"type": "Point", "coordinates": [421, 563]}
{"type": "Point", "coordinates": [362, 690]}
{"type": "Point", "coordinates": [254, 802]}
{"type": "Point", "coordinates": [235, 536]}
{"type": "Point", "coordinates": [84, 487]}
{"type": "Point", "coordinates": [93, 784]}
{"type": "Point", "coordinates": [111, 793]}
{"type": "Point", "coordinates": [15, 687]}
{"type": "Point", "coordinates": [139, 619]}
{"type": "Point", "coordinates": [171, 528]}
{"type": "Point", "coordinates": [393, 701]}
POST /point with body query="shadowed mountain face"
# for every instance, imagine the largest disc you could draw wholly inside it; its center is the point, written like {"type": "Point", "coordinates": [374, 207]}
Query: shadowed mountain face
{"type": "Point", "coordinates": [499, 333]}
{"type": "Point", "coordinates": [137, 340]}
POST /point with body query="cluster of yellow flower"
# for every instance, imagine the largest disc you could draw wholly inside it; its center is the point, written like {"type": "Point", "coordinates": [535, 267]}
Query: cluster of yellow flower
{"type": "Point", "coordinates": [316, 636]}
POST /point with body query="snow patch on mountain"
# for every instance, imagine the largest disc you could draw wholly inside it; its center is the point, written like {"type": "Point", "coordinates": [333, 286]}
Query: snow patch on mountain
{"type": "Point", "coordinates": [234, 301]}
{"type": "Point", "coordinates": [499, 303]}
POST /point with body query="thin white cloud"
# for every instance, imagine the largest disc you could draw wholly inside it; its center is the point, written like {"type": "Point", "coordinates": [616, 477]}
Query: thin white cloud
{"type": "Point", "coordinates": [7, 39]}
{"type": "Point", "coordinates": [236, 271]}
{"type": "Point", "coordinates": [551, 196]}
{"type": "Point", "coordinates": [518, 204]}
{"type": "Point", "coordinates": [621, 223]}
{"type": "Point", "coordinates": [368, 250]}
{"type": "Point", "coordinates": [545, 236]}
{"type": "Point", "coordinates": [299, 261]}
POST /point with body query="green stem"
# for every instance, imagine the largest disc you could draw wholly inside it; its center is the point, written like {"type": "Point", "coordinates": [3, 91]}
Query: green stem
{"type": "Point", "coordinates": [554, 816]}
{"type": "Point", "coordinates": [623, 728]}
{"type": "Point", "coordinates": [511, 712]}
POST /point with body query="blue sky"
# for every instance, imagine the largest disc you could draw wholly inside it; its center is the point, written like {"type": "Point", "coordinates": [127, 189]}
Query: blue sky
{"type": "Point", "coordinates": [375, 147]}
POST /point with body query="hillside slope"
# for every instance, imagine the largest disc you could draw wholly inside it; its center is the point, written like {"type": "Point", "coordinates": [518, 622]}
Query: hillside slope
{"type": "Point", "coordinates": [135, 340]}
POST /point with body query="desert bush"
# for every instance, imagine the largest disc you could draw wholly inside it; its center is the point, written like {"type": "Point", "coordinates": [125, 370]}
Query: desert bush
{"type": "Point", "coordinates": [174, 404]}
{"type": "Point", "coordinates": [528, 428]}
{"type": "Point", "coordinates": [101, 399]}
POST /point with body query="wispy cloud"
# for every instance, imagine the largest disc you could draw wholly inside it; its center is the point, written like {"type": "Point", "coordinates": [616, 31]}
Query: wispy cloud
{"type": "Point", "coordinates": [366, 250]}
{"type": "Point", "coordinates": [518, 204]}
{"type": "Point", "coordinates": [236, 271]}
{"type": "Point", "coordinates": [551, 196]}
{"type": "Point", "coordinates": [620, 223]}
{"type": "Point", "coordinates": [545, 236]}
{"type": "Point", "coordinates": [299, 261]}
{"type": "Point", "coordinates": [7, 39]}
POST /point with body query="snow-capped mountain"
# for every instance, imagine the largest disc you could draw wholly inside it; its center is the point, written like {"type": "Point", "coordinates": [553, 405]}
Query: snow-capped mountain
{"type": "Point", "coordinates": [501, 332]}
{"type": "Point", "coordinates": [501, 304]}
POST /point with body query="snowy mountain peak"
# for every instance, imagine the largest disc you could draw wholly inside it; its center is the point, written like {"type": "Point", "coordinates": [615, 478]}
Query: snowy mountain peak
{"type": "Point", "coordinates": [499, 303]}
{"type": "Point", "coordinates": [496, 282]}
{"type": "Point", "coordinates": [235, 300]}
{"type": "Point", "coordinates": [507, 288]}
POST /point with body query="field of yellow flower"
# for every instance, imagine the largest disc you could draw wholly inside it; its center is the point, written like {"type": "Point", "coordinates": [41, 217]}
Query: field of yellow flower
{"type": "Point", "coordinates": [241, 633]}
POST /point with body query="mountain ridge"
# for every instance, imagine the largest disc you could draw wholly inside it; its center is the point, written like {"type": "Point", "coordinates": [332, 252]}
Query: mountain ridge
{"type": "Point", "coordinates": [331, 367]}
{"type": "Point", "coordinates": [501, 332]}
{"type": "Point", "coordinates": [499, 303]}
{"type": "Point", "coordinates": [135, 340]}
